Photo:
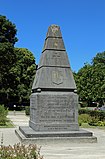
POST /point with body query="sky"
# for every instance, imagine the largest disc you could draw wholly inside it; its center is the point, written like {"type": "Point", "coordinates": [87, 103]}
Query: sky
{"type": "Point", "coordinates": [82, 23]}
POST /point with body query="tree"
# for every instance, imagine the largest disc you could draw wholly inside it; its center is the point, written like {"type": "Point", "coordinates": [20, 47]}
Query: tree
{"type": "Point", "coordinates": [99, 76]}
{"type": "Point", "coordinates": [22, 74]}
{"type": "Point", "coordinates": [7, 31]}
{"type": "Point", "coordinates": [83, 82]}
{"type": "Point", "coordinates": [99, 59]}
{"type": "Point", "coordinates": [7, 55]}
{"type": "Point", "coordinates": [17, 66]}
{"type": "Point", "coordinates": [90, 80]}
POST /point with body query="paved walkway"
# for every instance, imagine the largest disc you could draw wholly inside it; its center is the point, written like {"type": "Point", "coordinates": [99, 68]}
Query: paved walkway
{"type": "Point", "coordinates": [58, 150]}
{"type": "Point", "coordinates": [9, 136]}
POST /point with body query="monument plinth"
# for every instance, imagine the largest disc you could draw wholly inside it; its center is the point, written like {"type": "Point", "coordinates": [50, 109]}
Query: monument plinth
{"type": "Point", "coordinates": [54, 101]}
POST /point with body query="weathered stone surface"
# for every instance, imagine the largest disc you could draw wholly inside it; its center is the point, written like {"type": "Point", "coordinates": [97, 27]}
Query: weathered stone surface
{"type": "Point", "coordinates": [54, 59]}
{"type": "Point", "coordinates": [54, 31]}
{"type": "Point", "coordinates": [54, 78]}
{"type": "Point", "coordinates": [54, 111]}
{"type": "Point", "coordinates": [54, 44]}
{"type": "Point", "coordinates": [54, 70]}
{"type": "Point", "coordinates": [28, 136]}
{"type": "Point", "coordinates": [54, 102]}
{"type": "Point", "coordinates": [29, 132]}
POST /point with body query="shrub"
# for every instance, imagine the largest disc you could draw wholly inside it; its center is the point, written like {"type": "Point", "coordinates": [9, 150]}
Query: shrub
{"type": "Point", "coordinates": [3, 115]}
{"type": "Point", "coordinates": [84, 118]}
{"type": "Point", "coordinates": [100, 115]}
{"type": "Point", "coordinates": [27, 110]}
{"type": "Point", "coordinates": [93, 121]}
{"type": "Point", "coordinates": [84, 111]}
{"type": "Point", "coordinates": [79, 122]}
{"type": "Point", "coordinates": [94, 113]}
{"type": "Point", "coordinates": [19, 151]}
{"type": "Point", "coordinates": [100, 123]}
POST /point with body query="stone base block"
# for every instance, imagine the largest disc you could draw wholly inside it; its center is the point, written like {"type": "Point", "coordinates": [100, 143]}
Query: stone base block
{"type": "Point", "coordinates": [27, 135]}
{"type": "Point", "coordinates": [54, 111]}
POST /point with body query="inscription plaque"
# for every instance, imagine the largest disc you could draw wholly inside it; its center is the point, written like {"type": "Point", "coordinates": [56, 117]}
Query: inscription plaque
{"type": "Point", "coordinates": [53, 111]}
{"type": "Point", "coordinates": [56, 109]}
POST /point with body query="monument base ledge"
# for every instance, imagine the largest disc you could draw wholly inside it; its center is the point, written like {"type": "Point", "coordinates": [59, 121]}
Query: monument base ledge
{"type": "Point", "coordinates": [28, 136]}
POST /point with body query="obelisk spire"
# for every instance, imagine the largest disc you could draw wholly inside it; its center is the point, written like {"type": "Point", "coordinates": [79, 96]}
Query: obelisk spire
{"type": "Point", "coordinates": [54, 39]}
{"type": "Point", "coordinates": [54, 31]}
{"type": "Point", "coordinates": [54, 72]}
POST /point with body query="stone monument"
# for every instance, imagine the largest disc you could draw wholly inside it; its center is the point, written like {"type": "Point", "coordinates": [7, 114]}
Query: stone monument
{"type": "Point", "coordinates": [54, 99]}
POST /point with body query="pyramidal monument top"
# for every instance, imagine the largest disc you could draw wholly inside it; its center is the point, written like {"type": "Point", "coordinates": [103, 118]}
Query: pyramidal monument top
{"type": "Point", "coordinates": [54, 72]}
{"type": "Point", "coordinates": [54, 39]}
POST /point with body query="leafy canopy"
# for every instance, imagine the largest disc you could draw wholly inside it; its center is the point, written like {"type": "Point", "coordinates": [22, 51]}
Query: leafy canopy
{"type": "Point", "coordinates": [17, 66]}
{"type": "Point", "coordinates": [90, 80]}
{"type": "Point", "coordinates": [7, 31]}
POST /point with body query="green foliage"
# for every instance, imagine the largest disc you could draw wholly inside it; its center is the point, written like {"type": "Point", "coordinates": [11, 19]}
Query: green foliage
{"type": "Point", "coordinates": [22, 74]}
{"type": "Point", "coordinates": [7, 31]}
{"type": "Point", "coordinates": [92, 117]}
{"type": "Point", "coordinates": [93, 113]}
{"type": "Point", "coordinates": [16, 83]}
{"type": "Point", "coordinates": [93, 121]}
{"type": "Point", "coordinates": [90, 81]}
{"type": "Point", "coordinates": [84, 111]}
{"type": "Point", "coordinates": [17, 67]}
{"type": "Point", "coordinates": [100, 58]}
{"type": "Point", "coordinates": [100, 123]}
{"type": "Point", "coordinates": [83, 118]}
{"type": "Point", "coordinates": [102, 115]}
{"type": "Point", "coordinates": [3, 115]}
{"type": "Point", "coordinates": [19, 151]}
{"type": "Point", "coordinates": [7, 55]}
{"type": "Point", "coordinates": [27, 110]}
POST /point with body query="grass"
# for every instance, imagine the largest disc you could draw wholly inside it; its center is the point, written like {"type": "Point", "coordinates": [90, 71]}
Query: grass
{"type": "Point", "coordinates": [9, 124]}
{"type": "Point", "coordinates": [86, 125]}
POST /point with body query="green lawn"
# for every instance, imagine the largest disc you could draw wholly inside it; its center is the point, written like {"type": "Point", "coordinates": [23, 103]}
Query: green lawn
{"type": "Point", "coordinates": [9, 124]}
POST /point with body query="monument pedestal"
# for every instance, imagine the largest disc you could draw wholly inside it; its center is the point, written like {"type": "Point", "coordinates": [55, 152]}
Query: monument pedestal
{"type": "Point", "coordinates": [54, 118]}
{"type": "Point", "coordinates": [54, 111]}
{"type": "Point", "coordinates": [29, 136]}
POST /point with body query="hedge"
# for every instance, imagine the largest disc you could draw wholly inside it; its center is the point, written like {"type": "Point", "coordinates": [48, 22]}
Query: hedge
{"type": "Point", "coordinates": [92, 117]}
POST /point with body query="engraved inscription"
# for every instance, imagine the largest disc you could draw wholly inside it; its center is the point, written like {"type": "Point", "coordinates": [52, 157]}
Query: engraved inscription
{"type": "Point", "coordinates": [56, 55]}
{"type": "Point", "coordinates": [56, 109]}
